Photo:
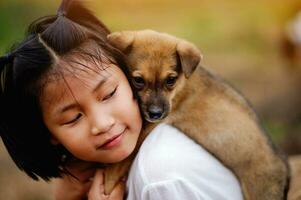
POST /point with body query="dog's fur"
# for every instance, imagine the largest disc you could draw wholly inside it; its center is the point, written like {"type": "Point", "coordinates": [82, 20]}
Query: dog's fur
{"type": "Point", "coordinates": [175, 89]}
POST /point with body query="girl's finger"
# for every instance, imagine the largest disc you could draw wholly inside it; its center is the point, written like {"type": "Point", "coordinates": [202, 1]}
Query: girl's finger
{"type": "Point", "coordinates": [97, 187]}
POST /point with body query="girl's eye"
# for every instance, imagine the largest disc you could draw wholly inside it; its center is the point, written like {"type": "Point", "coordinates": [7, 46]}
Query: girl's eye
{"type": "Point", "coordinates": [74, 119]}
{"type": "Point", "coordinates": [110, 95]}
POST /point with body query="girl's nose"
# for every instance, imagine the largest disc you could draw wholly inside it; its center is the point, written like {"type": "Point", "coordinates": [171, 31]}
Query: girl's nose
{"type": "Point", "coordinates": [101, 123]}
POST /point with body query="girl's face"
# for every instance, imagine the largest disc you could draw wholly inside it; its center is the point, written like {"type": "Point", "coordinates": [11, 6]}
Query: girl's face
{"type": "Point", "coordinates": [92, 113]}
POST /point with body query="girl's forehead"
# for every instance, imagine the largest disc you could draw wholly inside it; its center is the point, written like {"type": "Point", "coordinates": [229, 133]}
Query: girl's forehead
{"type": "Point", "coordinates": [54, 91]}
{"type": "Point", "coordinates": [60, 84]}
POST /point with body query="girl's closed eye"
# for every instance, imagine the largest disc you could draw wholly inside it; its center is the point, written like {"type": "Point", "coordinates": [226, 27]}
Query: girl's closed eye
{"type": "Point", "coordinates": [79, 115]}
{"type": "Point", "coordinates": [75, 119]}
{"type": "Point", "coordinates": [111, 94]}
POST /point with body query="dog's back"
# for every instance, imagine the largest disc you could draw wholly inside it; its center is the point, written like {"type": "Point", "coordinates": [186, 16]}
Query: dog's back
{"type": "Point", "coordinates": [220, 119]}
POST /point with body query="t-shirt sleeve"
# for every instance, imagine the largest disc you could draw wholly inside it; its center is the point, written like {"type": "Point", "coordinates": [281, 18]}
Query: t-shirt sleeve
{"type": "Point", "coordinates": [175, 189]}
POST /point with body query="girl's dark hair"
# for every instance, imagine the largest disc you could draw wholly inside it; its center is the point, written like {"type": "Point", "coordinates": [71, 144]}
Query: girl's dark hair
{"type": "Point", "coordinates": [21, 125]}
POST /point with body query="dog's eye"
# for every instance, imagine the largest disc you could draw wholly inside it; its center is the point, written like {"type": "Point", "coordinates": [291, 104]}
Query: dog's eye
{"type": "Point", "coordinates": [138, 82]}
{"type": "Point", "coordinates": [170, 81]}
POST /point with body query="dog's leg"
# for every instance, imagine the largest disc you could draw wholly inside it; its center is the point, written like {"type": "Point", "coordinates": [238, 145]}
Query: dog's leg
{"type": "Point", "coordinates": [264, 182]}
{"type": "Point", "coordinates": [115, 172]}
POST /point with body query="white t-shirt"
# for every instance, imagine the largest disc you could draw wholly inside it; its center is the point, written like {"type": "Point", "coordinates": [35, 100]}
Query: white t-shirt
{"type": "Point", "coordinates": [171, 166]}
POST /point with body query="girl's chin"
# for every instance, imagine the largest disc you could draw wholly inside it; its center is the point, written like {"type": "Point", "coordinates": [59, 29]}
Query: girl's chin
{"type": "Point", "coordinates": [119, 156]}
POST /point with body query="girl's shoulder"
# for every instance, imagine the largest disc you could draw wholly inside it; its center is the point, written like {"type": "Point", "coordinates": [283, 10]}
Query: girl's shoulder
{"type": "Point", "coordinates": [168, 152]}
{"type": "Point", "coordinates": [169, 158]}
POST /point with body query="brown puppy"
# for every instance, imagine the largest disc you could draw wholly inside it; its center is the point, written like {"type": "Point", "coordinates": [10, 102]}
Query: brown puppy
{"type": "Point", "coordinates": [175, 89]}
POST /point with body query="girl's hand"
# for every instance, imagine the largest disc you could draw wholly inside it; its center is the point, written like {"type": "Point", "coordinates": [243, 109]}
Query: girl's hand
{"type": "Point", "coordinates": [68, 188]}
{"type": "Point", "coordinates": [97, 189]}
{"type": "Point", "coordinates": [71, 188]}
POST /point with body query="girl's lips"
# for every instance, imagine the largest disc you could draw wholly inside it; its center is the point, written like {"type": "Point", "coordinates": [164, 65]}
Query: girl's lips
{"type": "Point", "coordinates": [113, 141]}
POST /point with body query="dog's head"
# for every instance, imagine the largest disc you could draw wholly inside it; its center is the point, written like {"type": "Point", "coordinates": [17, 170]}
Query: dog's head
{"type": "Point", "coordinates": [159, 65]}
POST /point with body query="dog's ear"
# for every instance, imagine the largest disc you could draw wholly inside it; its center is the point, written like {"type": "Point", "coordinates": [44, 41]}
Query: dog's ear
{"type": "Point", "coordinates": [121, 40]}
{"type": "Point", "coordinates": [190, 56]}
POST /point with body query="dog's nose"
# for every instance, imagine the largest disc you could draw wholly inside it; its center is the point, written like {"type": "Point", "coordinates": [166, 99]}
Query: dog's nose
{"type": "Point", "coordinates": [155, 112]}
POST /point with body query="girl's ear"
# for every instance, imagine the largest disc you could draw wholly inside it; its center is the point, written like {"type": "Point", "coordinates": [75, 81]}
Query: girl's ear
{"type": "Point", "coordinates": [54, 141]}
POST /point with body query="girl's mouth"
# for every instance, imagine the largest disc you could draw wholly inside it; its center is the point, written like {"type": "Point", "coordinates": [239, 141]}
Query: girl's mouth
{"type": "Point", "coordinates": [112, 142]}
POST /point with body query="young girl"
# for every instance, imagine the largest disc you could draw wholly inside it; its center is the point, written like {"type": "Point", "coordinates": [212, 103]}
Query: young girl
{"type": "Point", "coordinates": [65, 97]}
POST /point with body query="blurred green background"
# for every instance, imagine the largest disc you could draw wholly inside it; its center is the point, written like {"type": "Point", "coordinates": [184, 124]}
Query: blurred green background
{"type": "Point", "coordinates": [241, 40]}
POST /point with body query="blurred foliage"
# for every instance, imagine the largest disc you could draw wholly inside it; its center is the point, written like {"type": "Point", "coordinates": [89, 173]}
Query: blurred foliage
{"type": "Point", "coordinates": [231, 26]}
{"type": "Point", "coordinates": [277, 129]}
{"type": "Point", "coordinates": [15, 16]}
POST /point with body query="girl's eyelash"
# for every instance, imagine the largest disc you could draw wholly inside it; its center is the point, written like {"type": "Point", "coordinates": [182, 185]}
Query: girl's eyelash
{"type": "Point", "coordinates": [74, 120]}
{"type": "Point", "coordinates": [110, 95]}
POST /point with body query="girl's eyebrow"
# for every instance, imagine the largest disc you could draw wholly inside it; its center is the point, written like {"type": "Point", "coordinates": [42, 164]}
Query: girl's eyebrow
{"type": "Point", "coordinates": [99, 84]}
{"type": "Point", "coordinates": [68, 107]}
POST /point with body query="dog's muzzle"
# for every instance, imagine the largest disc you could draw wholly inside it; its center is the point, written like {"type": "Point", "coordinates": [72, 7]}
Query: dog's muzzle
{"type": "Point", "coordinates": [155, 112]}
